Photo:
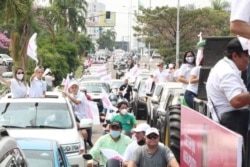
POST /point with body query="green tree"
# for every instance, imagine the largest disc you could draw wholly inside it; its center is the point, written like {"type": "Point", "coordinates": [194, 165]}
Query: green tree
{"type": "Point", "coordinates": [158, 26]}
{"type": "Point", "coordinates": [17, 15]}
{"type": "Point", "coordinates": [220, 5]}
{"type": "Point", "coordinates": [84, 44]}
{"type": "Point", "coordinates": [107, 39]}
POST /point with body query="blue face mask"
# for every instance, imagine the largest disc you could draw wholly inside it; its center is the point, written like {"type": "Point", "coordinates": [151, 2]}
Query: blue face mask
{"type": "Point", "coordinates": [114, 133]}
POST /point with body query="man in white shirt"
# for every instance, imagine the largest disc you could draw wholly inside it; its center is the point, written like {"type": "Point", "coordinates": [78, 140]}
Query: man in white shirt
{"type": "Point", "coordinates": [240, 24]}
{"type": "Point", "coordinates": [139, 131]}
{"type": "Point", "coordinates": [228, 98]}
{"type": "Point", "coordinates": [161, 73]}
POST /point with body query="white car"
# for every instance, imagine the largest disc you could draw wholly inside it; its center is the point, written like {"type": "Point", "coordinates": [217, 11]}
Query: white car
{"type": "Point", "coordinates": [5, 59]}
{"type": "Point", "coordinates": [51, 117]}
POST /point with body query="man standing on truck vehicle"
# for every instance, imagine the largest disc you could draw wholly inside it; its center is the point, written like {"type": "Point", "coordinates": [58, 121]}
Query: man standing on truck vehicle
{"type": "Point", "coordinates": [228, 98]}
{"type": "Point", "coordinates": [240, 24]}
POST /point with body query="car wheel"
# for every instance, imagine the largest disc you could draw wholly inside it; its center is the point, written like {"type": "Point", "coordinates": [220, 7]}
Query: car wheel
{"type": "Point", "coordinates": [172, 130]}
{"type": "Point", "coordinates": [4, 63]}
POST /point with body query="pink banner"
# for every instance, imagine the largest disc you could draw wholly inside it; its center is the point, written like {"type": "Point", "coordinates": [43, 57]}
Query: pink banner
{"type": "Point", "coordinates": [205, 143]}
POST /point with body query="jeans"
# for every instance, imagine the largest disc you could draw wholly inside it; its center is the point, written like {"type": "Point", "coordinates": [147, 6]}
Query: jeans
{"type": "Point", "coordinates": [189, 98]}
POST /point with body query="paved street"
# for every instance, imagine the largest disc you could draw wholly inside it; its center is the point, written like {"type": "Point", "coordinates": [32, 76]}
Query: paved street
{"type": "Point", "coordinates": [97, 129]}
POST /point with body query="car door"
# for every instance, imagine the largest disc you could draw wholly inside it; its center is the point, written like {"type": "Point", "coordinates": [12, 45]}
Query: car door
{"type": "Point", "coordinates": [1, 59]}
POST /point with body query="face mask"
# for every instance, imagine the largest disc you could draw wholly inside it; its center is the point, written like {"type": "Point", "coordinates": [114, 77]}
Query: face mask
{"type": "Point", "coordinates": [190, 59]}
{"type": "Point", "coordinates": [19, 76]}
{"type": "Point", "coordinates": [141, 142]}
{"type": "Point", "coordinates": [114, 133]}
{"type": "Point", "coordinates": [124, 111]}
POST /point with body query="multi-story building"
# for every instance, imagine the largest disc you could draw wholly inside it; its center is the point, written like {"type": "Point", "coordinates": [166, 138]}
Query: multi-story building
{"type": "Point", "coordinates": [93, 15]}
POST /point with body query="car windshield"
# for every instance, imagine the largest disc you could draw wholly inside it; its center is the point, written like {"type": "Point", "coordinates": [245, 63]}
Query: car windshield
{"type": "Point", "coordinates": [39, 158]}
{"type": "Point", "coordinates": [34, 114]}
{"type": "Point", "coordinates": [95, 87]}
{"type": "Point", "coordinates": [5, 56]}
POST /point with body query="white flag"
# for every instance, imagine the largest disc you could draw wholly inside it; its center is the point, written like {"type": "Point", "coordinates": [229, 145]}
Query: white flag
{"type": "Point", "coordinates": [32, 48]}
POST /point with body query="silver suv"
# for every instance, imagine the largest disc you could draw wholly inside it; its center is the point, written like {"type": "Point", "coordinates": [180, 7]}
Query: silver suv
{"type": "Point", "coordinates": [51, 117]}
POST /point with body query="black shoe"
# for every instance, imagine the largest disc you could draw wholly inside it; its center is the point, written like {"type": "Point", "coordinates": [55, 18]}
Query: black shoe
{"type": "Point", "coordinates": [90, 143]}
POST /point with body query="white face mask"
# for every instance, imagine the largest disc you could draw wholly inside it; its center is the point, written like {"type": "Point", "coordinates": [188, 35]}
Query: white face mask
{"type": "Point", "coordinates": [190, 59]}
{"type": "Point", "coordinates": [124, 111]}
{"type": "Point", "coordinates": [19, 76]}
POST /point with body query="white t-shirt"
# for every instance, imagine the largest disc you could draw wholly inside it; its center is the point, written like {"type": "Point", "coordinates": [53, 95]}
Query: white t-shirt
{"type": "Point", "coordinates": [170, 76]}
{"type": "Point", "coordinates": [18, 89]}
{"type": "Point", "coordinates": [194, 87]}
{"type": "Point", "coordinates": [37, 88]}
{"type": "Point", "coordinates": [223, 84]}
{"type": "Point", "coordinates": [240, 10]}
{"type": "Point", "coordinates": [49, 80]}
{"type": "Point", "coordinates": [185, 72]}
{"type": "Point", "coordinates": [161, 75]}
{"type": "Point", "coordinates": [131, 149]}
{"type": "Point", "coordinates": [80, 110]}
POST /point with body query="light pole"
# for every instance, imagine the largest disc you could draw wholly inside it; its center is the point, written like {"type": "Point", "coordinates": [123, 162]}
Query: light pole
{"type": "Point", "coordinates": [149, 52]}
{"type": "Point", "coordinates": [178, 34]}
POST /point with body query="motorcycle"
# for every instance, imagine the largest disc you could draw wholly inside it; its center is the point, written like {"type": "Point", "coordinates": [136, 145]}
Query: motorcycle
{"type": "Point", "coordinates": [112, 162]}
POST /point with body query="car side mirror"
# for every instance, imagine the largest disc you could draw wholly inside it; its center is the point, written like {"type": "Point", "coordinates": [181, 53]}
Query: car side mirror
{"type": "Point", "coordinates": [149, 94]}
{"type": "Point", "coordinates": [135, 89]}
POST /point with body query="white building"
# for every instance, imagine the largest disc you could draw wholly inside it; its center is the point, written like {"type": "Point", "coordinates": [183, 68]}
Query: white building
{"type": "Point", "coordinates": [94, 9]}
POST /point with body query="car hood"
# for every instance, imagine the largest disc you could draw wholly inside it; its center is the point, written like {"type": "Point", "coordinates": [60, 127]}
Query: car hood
{"type": "Point", "coordinates": [61, 135]}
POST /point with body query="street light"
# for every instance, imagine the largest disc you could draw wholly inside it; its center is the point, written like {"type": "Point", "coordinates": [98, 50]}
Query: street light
{"type": "Point", "coordinates": [178, 34]}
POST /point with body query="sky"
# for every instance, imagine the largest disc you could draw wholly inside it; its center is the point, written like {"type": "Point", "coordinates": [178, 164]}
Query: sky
{"type": "Point", "coordinates": [123, 8]}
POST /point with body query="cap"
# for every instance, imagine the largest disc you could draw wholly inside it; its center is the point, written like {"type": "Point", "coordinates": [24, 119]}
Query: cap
{"type": "Point", "coordinates": [73, 83]}
{"type": "Point", "coordinates": [239, 44]}
{"type": "Point", "coordinates": [171, 65]}
{"type": "Point", "coordinates": [116, 123]}
{"type": "Point", "coordinates": [160, 63]}
{"type": "Point", "coordinates": [152, 130]}
{"type": "Point", "coordinates": [141, 127]}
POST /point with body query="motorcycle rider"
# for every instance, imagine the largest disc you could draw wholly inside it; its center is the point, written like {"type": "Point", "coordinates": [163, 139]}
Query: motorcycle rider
{"type": "Point", "coordinates": [127, 120]}
{"type": "Point", "coordinates": [152, 154]}
{"type": "Point", "coordinates": [114, 140]}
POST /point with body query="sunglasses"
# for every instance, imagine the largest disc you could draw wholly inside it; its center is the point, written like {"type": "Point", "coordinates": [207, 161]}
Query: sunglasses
{"type": "Point", "coordinates": [20, 73]}
{"type": "Point", "coordinates": [152, 137]}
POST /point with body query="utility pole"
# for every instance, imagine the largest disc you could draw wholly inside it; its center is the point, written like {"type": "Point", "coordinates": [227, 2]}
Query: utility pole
{"type": "Point", "coordinates": [178, 34]}
{"type": "Point", "coordinates": [149, 52]}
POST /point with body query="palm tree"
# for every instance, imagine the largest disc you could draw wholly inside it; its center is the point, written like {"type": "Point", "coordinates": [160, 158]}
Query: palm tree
{"type": "Point", "coordinates": [221, 5]}
{"type": "Point", "coordinates": [17, 13]}
{"type": "Point", "coordinates": [73, 12]}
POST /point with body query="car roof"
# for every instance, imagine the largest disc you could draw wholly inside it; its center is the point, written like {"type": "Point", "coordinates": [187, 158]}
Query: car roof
{"type": "Point", "coordinates": [37, 144]}
{"type": "Point", "coordinates": [50, 97]}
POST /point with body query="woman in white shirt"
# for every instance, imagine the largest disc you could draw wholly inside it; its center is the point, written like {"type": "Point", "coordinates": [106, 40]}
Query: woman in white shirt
{"type": "Point", "coordinates": [188, 64]}
{"type": "Point", "coordinates": [17, 85]}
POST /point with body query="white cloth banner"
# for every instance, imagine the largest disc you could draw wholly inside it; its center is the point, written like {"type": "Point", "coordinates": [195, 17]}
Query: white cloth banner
{"type": "Point", "coordinates": [134, 72]}
{"type": "Point", "coordinates": [93, 112]}
{"type": "Point", "coordinates": [110, 153]}
{"type": "Point", "coordinates": [32, 48]}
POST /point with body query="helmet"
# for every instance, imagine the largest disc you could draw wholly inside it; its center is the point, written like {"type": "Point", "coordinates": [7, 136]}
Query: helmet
{"type": "Point", "coordinates": [122, 101]}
